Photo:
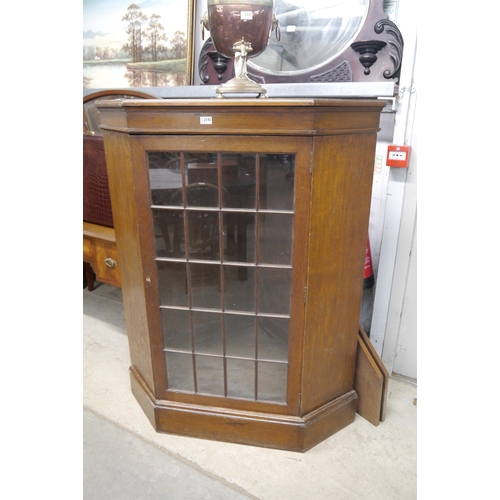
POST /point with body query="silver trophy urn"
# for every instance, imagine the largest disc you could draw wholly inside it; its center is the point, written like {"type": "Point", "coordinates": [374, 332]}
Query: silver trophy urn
{"type": "Point", "coordinates": [240, 29]}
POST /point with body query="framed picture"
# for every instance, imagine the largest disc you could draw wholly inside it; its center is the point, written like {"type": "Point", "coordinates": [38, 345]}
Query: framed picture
{"type": "Point", "coordinates": [143, 44]}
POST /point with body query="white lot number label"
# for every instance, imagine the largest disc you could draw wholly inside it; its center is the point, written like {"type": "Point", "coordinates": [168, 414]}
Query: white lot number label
{"type": "Point", "coordinates": [205, 120]}
{"type": "Point", "coordinates": [246, 14]}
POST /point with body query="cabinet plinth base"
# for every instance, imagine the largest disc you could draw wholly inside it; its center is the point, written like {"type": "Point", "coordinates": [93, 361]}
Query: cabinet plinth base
{"type": "Point", "coordinates": [282, 432]}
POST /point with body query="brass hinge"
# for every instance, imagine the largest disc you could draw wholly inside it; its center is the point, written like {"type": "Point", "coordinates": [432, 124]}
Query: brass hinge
{"type": "Point", "coordinates": [305, 295]}
{"type": "Point", "coordinates": [311, 156]}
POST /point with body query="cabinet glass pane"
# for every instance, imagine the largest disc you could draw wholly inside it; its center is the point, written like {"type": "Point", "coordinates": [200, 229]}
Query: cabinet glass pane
{"type": "Point", "coordinates": [275, 238]}
{"type": "Point", "coordinates": [239, 237]}
{"type": "Point", "coordinates": [276, 182]}
{"type": "Point", "coordinates": [207, 333]}
{"type": "Point", "coordinates": [165, 177]}
{"type": "Point", "coordinates": [272, 381]}
{"type": "Point", "coordinates": [202, 169]}
{"type": "Point", "coordinates": [205, 286]}
{"type": "Point", "coordinates": [172, 281]}
{"type": "Point", "coordinates": [273, 338]}
{"type": "Point", "coordinates": [203, 235]}
{"type": "Point", "coordinates": [240, 335]}
{"type": "Point", "coordinates": [274, 290]}
{"type": "Point", "coordinates": [176, 329]}
{"type": "Point", "coordinates": [239, 288]}
{"type": "Point", "coordinates": [210, 375]}
{"type": "Point", "coordinates": [169, 233]}
{"type": "Point", "coordinates": [180, 371]}
{"type": "Point", "coordinates": [238, 180]}
{"type": "Point", "coordinates": [241, 378]}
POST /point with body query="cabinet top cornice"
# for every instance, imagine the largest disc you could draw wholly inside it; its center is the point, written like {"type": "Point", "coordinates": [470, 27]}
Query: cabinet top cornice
{"type": "Point", "coordinates": [235, 116]}
{"type": "Point", "coordinates": [239, 102]}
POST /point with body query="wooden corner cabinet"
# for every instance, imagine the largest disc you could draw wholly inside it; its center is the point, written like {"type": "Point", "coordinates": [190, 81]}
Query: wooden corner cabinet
{"type": "Point", "coordinates": [241, 229]}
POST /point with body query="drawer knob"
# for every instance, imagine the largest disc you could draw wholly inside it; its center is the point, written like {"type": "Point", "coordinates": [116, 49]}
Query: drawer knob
{"type": "Point", "coordinates": [110, 262]}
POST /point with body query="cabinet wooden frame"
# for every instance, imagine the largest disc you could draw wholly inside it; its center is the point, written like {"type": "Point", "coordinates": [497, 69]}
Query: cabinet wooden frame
{"type": "Point", "coordinates": [333, 142]}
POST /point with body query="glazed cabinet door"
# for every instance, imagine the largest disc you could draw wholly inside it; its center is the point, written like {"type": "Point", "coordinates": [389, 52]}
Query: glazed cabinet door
{"type": "Point", "coordinates": [224, 236]}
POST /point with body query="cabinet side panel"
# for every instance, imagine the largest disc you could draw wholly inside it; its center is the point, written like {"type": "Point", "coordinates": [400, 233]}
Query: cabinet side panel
{"type": "Point", "coordinates": [120, 173]}
{"type": "Point", "coordinates": [340, 206]}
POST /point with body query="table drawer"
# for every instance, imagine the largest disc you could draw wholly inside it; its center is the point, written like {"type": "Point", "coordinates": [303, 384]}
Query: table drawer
{"type": "Point", "coordinates": [105, 263]}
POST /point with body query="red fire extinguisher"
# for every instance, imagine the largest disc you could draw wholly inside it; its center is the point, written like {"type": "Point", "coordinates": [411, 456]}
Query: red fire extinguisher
{"type": "Point", "coordinates": [369, 280]}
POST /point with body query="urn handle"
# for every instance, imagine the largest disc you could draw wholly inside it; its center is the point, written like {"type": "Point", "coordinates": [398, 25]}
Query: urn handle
{"type": "Point", "coordinates": [276, 27]}
{"type": "Point", "coordinates": [204, 25]}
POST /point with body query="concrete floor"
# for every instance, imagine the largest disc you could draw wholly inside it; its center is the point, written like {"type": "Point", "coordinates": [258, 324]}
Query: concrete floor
{"type": "Point", "coordinates": [125, 459]}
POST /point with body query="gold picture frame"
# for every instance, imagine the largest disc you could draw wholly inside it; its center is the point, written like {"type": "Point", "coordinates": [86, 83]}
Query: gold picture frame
{"type": "Point", "coordinates": [130, 45]}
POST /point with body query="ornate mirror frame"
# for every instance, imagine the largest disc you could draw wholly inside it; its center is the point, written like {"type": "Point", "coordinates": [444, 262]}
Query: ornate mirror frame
{"type": "Point", "coordinates": [373, 54]}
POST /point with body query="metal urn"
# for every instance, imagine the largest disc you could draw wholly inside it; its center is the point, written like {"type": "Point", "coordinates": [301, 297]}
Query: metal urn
{"type": "Point", "coordinates": [240, 29]}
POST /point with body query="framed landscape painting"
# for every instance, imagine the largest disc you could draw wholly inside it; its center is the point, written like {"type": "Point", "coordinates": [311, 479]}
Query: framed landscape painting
{"type": "Point", "coordinates": [143, 44]}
